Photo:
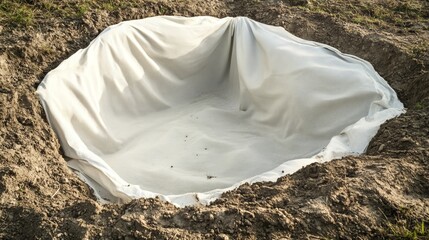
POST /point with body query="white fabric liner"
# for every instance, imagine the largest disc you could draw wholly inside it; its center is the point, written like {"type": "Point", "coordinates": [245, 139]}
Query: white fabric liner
{"type": "Point", "coordinates": [187, 108]}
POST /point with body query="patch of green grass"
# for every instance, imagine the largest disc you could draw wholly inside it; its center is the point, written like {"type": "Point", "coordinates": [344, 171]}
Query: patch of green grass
{"type": "Point", "coordinates": [419, 106]}
{"type": "Point", "coordinates": [49, 6]}
{"type": "Point", "coordinates": [405, 231]}
{"type": "Point", "coordinates": [410, 9]}
{"type": "Point", "coordinates": [16, 13]}
{"type": "Point", "coordinates": [24, 13]}
{"type": "Point", "coordinates": [371, 12]}
{"type": "Point", "coordinates": [420, 47]}
{"type": "Point", "coordinates": [405, 226]}
{"type": "Point", "coordinates": [83, 8]}
{"type": "Point", "coordinates": [365, 20]}
{"type": "Point", "coordinates": [109, 6]}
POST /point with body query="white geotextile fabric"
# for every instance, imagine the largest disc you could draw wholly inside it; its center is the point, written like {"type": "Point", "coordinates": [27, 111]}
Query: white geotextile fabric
{"type": "Point", "coordinates": [187, 108]}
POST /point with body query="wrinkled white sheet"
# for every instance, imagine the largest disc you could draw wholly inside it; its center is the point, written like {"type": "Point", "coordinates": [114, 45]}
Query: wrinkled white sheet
{"type": "Point", "coordinates": [186, 108]}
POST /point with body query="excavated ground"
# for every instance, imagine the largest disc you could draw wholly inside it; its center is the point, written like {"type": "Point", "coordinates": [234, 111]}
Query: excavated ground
{"type": "Point", "coordinates": [382, 194]}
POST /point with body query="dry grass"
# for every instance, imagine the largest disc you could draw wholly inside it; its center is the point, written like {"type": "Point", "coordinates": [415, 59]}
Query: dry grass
{"type": "Point", "coordinates": [27, 12]}
{"type": "Point", "coordinates": [368, 12]}
{"type": "Point", "coordinates": [371, 13]}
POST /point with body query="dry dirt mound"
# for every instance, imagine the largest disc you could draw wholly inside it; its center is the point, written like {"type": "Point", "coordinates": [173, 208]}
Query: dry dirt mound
{"type": "Point", "coordinates": [384, 194]}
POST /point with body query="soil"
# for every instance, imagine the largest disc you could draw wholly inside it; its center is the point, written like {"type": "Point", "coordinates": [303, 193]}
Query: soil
{"type": "Point", "coordinates": [381, 194]}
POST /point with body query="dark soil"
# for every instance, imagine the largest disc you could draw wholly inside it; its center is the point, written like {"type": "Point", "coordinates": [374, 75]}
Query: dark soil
{"type": "Point", "coordinates": [382, 194]}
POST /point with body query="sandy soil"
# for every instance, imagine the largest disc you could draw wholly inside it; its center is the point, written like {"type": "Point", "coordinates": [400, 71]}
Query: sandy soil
{"type": "Point", "coordinates": [382, 194]}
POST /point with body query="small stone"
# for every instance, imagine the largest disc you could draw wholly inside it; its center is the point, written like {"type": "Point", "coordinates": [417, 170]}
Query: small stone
{"type": "Point", "coordinates": [381, 148]}
{"type": "Point", "coordinates": [222, 237]}
{"type": "Point", "coordinates": [247, 223]}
